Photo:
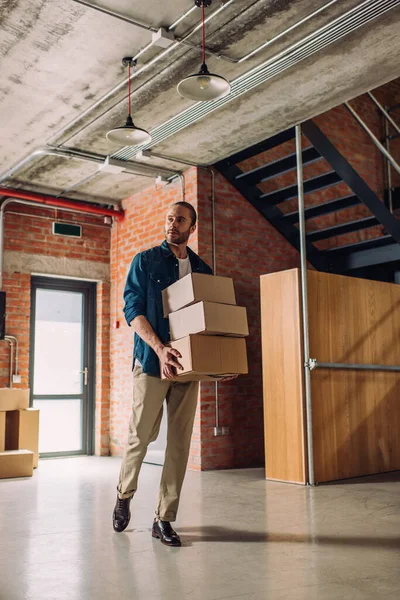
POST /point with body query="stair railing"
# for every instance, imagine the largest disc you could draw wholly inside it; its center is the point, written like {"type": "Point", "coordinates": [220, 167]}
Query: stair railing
{"type": "Point", "coordinates": [391, 162]}
{"type": "Point", "coordinates": [388, 137]}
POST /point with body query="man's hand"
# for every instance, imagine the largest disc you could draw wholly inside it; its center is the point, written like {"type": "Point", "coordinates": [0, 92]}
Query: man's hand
{"type": "Point", "coordinates": [167, 356]}
{"type": "Point", "coordinates": [168, 359]}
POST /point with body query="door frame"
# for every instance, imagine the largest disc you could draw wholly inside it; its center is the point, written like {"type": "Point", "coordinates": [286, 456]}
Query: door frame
{"type": "Point", "coordinates": [88, 288]}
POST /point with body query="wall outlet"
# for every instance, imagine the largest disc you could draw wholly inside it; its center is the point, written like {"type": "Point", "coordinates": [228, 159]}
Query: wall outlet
{"type": "Point", "coordinates": [221, 431]}
{"type": "Point", "coordinates": [16, 378]}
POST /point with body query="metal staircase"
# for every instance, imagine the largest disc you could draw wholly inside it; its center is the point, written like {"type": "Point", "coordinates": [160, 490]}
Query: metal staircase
{"type": "Point", "coordinates": [272, 204]}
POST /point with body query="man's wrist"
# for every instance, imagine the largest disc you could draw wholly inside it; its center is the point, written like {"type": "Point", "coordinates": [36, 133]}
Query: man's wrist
{"type": "Point", "coordinates": [159, 349]}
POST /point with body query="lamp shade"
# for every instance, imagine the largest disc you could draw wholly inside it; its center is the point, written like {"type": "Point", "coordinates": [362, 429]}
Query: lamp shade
{"type": "Point", "coordinates": [129, 134]}
{"type": "Point", "coordinates": [204, 86]}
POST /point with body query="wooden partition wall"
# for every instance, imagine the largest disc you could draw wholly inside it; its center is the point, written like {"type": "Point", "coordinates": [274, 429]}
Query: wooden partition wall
{"type": "Point", "coordinates": [356, 414]}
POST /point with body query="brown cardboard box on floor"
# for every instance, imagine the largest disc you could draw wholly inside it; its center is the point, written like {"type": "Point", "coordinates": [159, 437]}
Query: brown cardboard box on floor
{"type": "Point", "coordinates": [16, 463]}
{"type": "Point", "coordinates": [13, 399]}
{"type": "Point", "coordinates": [210, 357]}
{"type": "Point", "coordinates": [209, 318]}
{"type": "Point", "coordinates": [2, 430]}
{"type": "Point", "coordinates": [22, 431]}
{"type": "Point", "coordinates": [196, 287]}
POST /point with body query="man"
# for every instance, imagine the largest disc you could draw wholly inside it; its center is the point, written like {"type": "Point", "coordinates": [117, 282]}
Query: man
{"type": "Point", "coordinates": [152, 271]}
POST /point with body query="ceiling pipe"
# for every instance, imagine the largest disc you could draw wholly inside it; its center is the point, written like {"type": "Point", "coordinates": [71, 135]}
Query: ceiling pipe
{"type": "Point", "coordinates": [47, 151]}
{"type": "Point", "coordinates": [131, 167]}
{"type": "Point", "coordinates": [181, 18]}
{"type": "Point", "coordinates": [112, 13]}
{"type": "Point", "coordinates": [117, 15]}
{"type": "Point", "coordinates": [283, 33]}
{"type": "Point", "coordinates": [140, 24]}
{"type": "Point", "coordinates": [78, 184]}
{"type": "Point", "coordinates": [60, 203]}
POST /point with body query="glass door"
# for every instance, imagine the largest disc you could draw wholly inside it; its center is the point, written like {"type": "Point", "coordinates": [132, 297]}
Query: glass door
{"type": "Point", "coordinates": [62, 364]}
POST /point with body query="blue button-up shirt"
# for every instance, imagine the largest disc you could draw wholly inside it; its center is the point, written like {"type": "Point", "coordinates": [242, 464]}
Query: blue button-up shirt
{"type": "Point", "coordinates": [151, 272]}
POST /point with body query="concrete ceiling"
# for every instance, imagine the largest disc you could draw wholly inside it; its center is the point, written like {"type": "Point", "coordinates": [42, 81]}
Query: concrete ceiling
{"type": "Point", "coordinates": [60, 58]}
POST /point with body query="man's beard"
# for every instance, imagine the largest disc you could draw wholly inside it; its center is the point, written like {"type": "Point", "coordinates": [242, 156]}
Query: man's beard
{"type": "Point", "coordinates": [177, 238]}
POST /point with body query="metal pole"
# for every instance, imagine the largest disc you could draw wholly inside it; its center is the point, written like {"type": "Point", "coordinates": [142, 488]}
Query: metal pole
{"type": "Point", "coordinates": [374, 138]}
{"type": "Point", "coordinates": [214, 263]}
{"type": "Point", "coordinates": [384, 111]}
{"type": "Point", "coordinates": [12, 337]}
{"type": "Point", "coordinates": [304, 306]}
{"type": "Point", "coordinates": [388, 168]}
{"type": "Point", "coordinates": [355, 367]}
{"type": "Point", "coordinates": [10, 341]}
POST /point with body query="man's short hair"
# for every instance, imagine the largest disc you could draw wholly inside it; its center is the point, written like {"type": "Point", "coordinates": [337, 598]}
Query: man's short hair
{"type": "Point", "coordinates": [193, 213]}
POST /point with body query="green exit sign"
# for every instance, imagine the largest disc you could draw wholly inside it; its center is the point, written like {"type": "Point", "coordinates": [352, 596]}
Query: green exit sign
{"type": "Point", "coordinates": [67, 229]}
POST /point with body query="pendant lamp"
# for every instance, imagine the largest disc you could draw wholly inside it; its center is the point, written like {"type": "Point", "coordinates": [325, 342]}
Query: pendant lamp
{"type": "Point", "coordinates": [129, 134]}
{"type": "Point", "coordinates": [204, 85]}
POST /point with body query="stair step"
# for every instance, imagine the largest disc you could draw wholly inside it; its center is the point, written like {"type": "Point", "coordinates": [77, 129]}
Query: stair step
{"type": "Point", "coordinates": [378, 242]}
{"type": "Point", "coordinates": [328, 232]}
{"type": "Point", "coordinates": [278, 167]}
{"type": "Point", "coordinates": [324, 208]}
{"type": "Point", "coordinates": [310, 185]}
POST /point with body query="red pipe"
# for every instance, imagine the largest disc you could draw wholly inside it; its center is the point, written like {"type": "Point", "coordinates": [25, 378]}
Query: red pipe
{"type": "Point", "coordinates": [61, 203]}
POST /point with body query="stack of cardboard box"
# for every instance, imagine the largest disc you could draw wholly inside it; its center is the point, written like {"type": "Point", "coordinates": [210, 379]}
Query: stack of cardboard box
{"type": "Point", "coordinates": [206, 327]}
{"type": "Point", "coordinates": [19, 434]}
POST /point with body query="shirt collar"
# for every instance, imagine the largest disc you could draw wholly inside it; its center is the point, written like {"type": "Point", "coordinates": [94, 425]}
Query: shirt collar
{"type": "Point", "coordinates": [168, 252]}
{"type": "Point", "coordinates": [166, 249]}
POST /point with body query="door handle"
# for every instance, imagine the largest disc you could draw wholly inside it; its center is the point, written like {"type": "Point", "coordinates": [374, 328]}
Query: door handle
{"type": "Point", "coordinates": [85, 375]}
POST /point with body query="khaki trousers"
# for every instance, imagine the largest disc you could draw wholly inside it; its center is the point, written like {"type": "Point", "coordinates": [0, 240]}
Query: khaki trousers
{"type": "Point", "coordinates": [148, 396]}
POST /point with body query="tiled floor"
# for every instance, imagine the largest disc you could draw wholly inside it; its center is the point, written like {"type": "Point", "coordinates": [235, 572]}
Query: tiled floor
{"type": "Point", "coordinates": [243, 538]}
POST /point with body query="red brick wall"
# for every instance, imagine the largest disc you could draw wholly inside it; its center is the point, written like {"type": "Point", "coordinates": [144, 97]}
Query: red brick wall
{"type": "Point", "coordinates": [102, 407]}
{"type": "Point", "coordinates": [142, 228]}
{"type": "Point", "coordinates": [247, 246]}
{"type": "Point", "coordinates": [18, 306]}
{"type": "Point", "coordinates": [33, 235]}
{"type": "Point", "coordinates": [238, 227]}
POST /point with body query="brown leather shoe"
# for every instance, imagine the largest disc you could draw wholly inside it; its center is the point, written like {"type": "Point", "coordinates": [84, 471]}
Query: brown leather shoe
{"type": "Point", "coordinates": [164, 532]}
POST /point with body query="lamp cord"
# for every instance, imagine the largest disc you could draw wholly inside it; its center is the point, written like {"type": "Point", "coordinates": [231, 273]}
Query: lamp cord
{"type": "Point", "coordinates": [129, 89]}
{"type": "Point", "coordinates": [204, 35]}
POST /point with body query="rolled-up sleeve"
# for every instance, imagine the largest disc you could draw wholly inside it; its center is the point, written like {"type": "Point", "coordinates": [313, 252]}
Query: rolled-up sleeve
{"type": "Point", "coordinates": [135, 293]}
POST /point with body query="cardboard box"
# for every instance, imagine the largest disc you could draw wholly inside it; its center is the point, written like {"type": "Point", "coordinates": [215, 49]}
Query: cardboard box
{"type": "Point", "coordinates": [2, 431]}
{"type": "Point", "coordinates": [209, 357]}
{"type": "Point", "coordinates": [22, 431]}
{"type": "Point", "coordinates": [16, 463]}
{"type": "Point", "coordinates": [209, 318]}
{"type": "Point", "coordinates": [196, 287]}
{"type": "Point", "coordinates": [13, 399]}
